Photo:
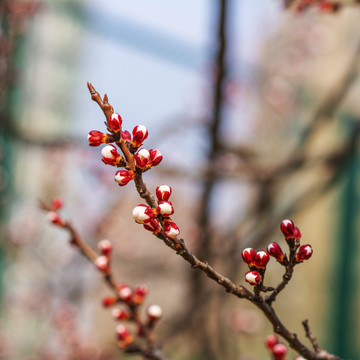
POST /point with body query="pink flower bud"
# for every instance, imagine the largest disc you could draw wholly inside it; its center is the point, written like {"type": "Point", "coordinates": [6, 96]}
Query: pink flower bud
{"type": "Point", "coordinates": [110, 155]}
{"type": "Point", "coordinates": [153, 225]}
{"type": "Point", "coordinates": [142, 214]}
{"type": "Point", "coordinates": [108, 301]}
{"type": "Point", "coordinates": [55, 218]}
{"type": "Point", "coordinates": [120, 314]}
{"type": "Point", "coordinates": [57, 204]}
{"type": "Point", "coordinates": [275, 251]}
{"type": "Point", "coordinates": [96, 138]}
{"type": "Point", "coordinates": [155, 157]}
{"type": "Point", "coordinates": [279, 351]}
{"type": "Point", "coordinates": [142, 158]}
{"type": "Point", "coordinates": [125, 294]}
{"type": "Point", "coordinates": [304, 253]}
{"type": "Point", "coordinates": [125, 135]}
{"type": "Point", "coordinates": [140, 292]}
{"type": "Point", "coordinates": [170, 229]}
{"type": "Point", "coordinates": [115, 122]}
{"type": "Point", "coordinates": [253, 277]}
{"type": "Point", "coordinates": [287, 228]}
{"type": "Point", "coordinates": [122, 177]}
{"type": "Point", "coordinates": [154, 312]}
{"type": "Point", "coordinates": [102, 263]}
{"type": "Point", "coordinates": [163, 192]}
{"type": "Point", "coordinates": [123, 334]}
{"type": "Point", "coordinates": [248, 255]}
{"type": "Point", "coordinates": [105, 247]}
{"type": "Point", "coordinates": [140, 133]}
{"type": "Point", "coordinates": [165, 208]}
{"type": "Point", "coordinates": [271, 341]}
{"type": "Point", "coordinates": [261, 259]}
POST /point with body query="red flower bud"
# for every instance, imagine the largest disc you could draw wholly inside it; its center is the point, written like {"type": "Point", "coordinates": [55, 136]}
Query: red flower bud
{"type": "Point", "coordinates": [287, 228]}
{"type": "Point", "coordinates": [275, 250]}
{"type": "Point", "coordinates": [261, 259]}
{"type": "Point", "coordinates": [253, 277]}
{"type": "Point", "coordinates": [142, 214]}
{"type": "Point", "coordinates": [125, 294]}
{"type": "Point", "coordinates": [304, 253]}
{"type": "Point", "coordinates": [125, 135]}
{"type": "Point", "coordinates": [140, 292]}
{"type": "Point", "coordinates": [57, 204]}
{"type": "Point", "coordinates": [142, 158]}
{"type": "Point", "coordinates": [154, 312]}
{"type": "Point", "coordinates": [55, 218]}
{"type": "Point", "coordinates": [271, 341]}
{"type": "Point", "coordinates": [153, 225]}
{"type": "Point", "coordinates": [279, 351]}
{"type": "Point", "coordinates": [165, 208]}
{"type": "Point", "coordinates": [248, 255]}
{"type": "Point", "coordinates": [140, 133]}
{"type": "Point", "coordinates": [120, 314]}
{"type": "Point", "coordinates": [122, 177]}
{"type": "Point", "coordinates": [297, 233]}
{"type": "Point", "coordinates": [123, 334]}
{"type": "Point", "coordinates": [103, 264]}
{"type": "Point", "coordinates": [108, 301]}
{"type": "Point", "coordinates": [96, 138]}
{"type": "Point", "coordinates": [105, 247]}
{"type": "Point", "coordinates": [155, 157]}
{"type": "Point", "coordinates": [110, 155]}
{"type": "Point", "coordinates": [115, 122]}
{"type": "Point", "coordinates": [170, 229]}
{"type": "Point", "coordinates": [163, 192]}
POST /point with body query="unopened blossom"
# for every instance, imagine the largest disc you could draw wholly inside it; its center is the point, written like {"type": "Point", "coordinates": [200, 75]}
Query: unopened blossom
{"type": "Point", "coordinates": [123, 177]}
{"type": "Point", "coordinates": [105, 247]}
{"type": "Point", "coordinates": [55, 218]}
{"type": "Point", "coordinates": [248, 255]}
{"type": "Point", "coordinates": [154, 312]}
{"type": "Point", "coordinates": [275, 251]}
{"type": "Point", "coordinates": [155, 157]}
{"type": "Point", "coordinates": [170, 229]}
{"type": "Point", "coordinates": [96, 138]}
{"type": "Point", "coordinates": [142, 214]}
{"type": "Point", "coordinates": [261, 259]}
{"type": "Point", "coordinates": [163, 192]}
{"type": "Point", "coordinates": [102, 263]}
{"type": "Point", "coordinates": [140, 133]}
{"type": "Point", "coordinates": [165, 208]}
{"type": "Point", "coordinates": [253, 277]}
{"type": "Point", "coordinates": [287, 228]}
{"type": "Point", "coordinates": [110, 155]}
{"type": "Point", "coordinates": [142, 158]}
{"type": "Point", "coordinates": [153, 225]}
{"type": "Point", "coordinates": [304, 253]}
{"type": "Point", "coordinates": [115, 122]}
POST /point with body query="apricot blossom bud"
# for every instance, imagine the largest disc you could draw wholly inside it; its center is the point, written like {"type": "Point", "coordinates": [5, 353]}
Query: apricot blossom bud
{"type": "Point", "coordinates": [123, 177]}
{"type": "Point", "coordinates": [261, 259]}
{"type": "Point", "coordinates": [123, 334]}
{"type": "Point", "coordinates": [275, 251]}
{"type": "Point", "coordinates": [108, 301]}
{"type": "Point", "coordinates": [102, 263]}
{"type": "Point", "coordinates": [105, 247]}
{"type": "Point", "coordinates": [115, 122]}
{"type": "Point", "coordinates": [110, 155]}
{"type": "Point", "coordinates": [304, 253]}
{"type": "Point", "coordinates": [55, 218]}
{"type": "Point", "coordinates": [248, 255]}
{"type": "Point", "coordinates": [142, 158]}
{"type": "Point", "coordinates": [125, 135]}
{"type": "Point", "coordinates": [153, 225]}
{"type": "Point", "coordinates": [140, 292]}
{"type": "Point", "coordinates": [125, 294]}
{"type": "Point", "coordinates": [271, 341]}
{"type": "Point", "coordinates": [287, 228]}
{"type": "Point", "coordinates": [96, 138]}
{"type": "Point", "coordinates": [279, 351]}
{"type": "Point", "coordinates": [170, 229]}
{"type": "Point", "coordinates": [120, 314]}
{"type": "Point", "coordinates": [140, 133]}
{"type": "Point", "coordinates": [57, 203]}
{"type": "Point", "coordinates": [163, 192]}
{"type": "Point", "coordinates": [297, 233]}
{"type": "Point", "coordinates": [154, 312]}
{"type": "Point", "coordinates": [142, 214]}
{"type": "Point", "coordinates": [253, 277]}
{"type": "Point", "coordinates": [155, 157]}
{"type": "Point", "coordinates": [165, 208]}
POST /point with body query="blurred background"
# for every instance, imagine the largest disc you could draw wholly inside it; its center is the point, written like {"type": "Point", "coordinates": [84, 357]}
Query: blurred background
{"type": "Point", "coordinates": [256, 111]}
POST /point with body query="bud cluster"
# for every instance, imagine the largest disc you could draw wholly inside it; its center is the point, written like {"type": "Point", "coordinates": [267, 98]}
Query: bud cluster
{"type": "Point", "coordinates": [277, 349]}
{"type": "Point", "coordinates": [257, 262]}
{"type": "Point", "coordinates": [102, 262]}
{"type": "Point", "coordinates": [131, 299]}
{"type": "Point", "coordinates": [158, 219]}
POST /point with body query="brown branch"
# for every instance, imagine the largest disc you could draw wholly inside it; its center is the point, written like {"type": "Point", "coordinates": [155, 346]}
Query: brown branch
{"type": "Point", "coordinates": [310, 336]}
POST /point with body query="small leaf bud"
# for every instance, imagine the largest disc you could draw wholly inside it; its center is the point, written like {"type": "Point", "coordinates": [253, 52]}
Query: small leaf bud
{"type": "Point", "coordinates": [125, 135]}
